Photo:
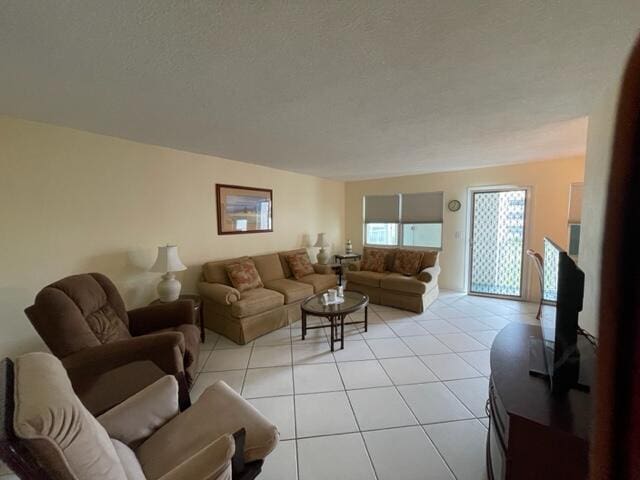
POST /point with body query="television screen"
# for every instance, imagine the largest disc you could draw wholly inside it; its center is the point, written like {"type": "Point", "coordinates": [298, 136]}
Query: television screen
{"type": "Point", "coordinates": [563, 285]}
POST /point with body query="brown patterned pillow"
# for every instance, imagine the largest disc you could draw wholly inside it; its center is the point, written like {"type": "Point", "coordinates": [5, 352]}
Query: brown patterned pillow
{"type": "Point", "coordinates": [243, 275]}
{"type": "Point", "coordinates": [373, 260]}
{"type": "Point", "coordinates": [429, 259]}
{"type": "Point", "coordinates": [300, 265]}
{"type": "Point", "coordinates": [407, 262]}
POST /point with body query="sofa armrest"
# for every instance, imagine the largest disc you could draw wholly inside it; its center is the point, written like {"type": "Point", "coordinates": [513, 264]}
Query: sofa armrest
{"type": "Point", "coordinates": [219, 293]}
{"type": "Point", "coordinates": [429, 274]}
{"type": "Point", "coordinates": [140, 415]}
{"type": "Point", "coordinates": [211, 462]}
{"type": "Point", "coordinates": [152, 318]}
{"type": "Point", "coordinates": [354, 266]}
{"type": "Point", "coordinates": [322, 269]}
{"type": "Point", "coordinates": [166, 350]}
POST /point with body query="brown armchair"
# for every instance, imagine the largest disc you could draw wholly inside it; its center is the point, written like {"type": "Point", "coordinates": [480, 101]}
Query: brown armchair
{"type": "Point", "coordinates": [83, 320]}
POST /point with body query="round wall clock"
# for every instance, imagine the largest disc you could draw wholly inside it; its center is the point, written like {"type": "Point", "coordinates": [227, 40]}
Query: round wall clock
{"type": "Point", "coordinates": [454, 205]}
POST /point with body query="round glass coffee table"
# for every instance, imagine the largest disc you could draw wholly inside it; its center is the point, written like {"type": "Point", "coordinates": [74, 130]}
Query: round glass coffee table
{"type": "Point", "coordinates": [335, 313]}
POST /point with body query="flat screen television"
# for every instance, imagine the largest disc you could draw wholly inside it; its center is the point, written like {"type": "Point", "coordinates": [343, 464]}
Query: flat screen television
{"type": "Point", "coordinates": [563, 289]}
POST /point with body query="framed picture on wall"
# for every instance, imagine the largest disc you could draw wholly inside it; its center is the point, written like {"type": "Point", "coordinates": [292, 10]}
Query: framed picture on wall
{"type": "Point", "coordinates": [244, 209]}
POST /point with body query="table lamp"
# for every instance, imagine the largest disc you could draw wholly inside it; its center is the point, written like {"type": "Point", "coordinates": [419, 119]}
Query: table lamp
{"type": "Point", "coordinates": [168, 262]}
{"type": "Point", "coordinates": [323, 255]}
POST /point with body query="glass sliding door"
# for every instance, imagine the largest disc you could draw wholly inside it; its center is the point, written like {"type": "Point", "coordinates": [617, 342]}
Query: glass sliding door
{"type": "Point", "coordinates": [497, 242]}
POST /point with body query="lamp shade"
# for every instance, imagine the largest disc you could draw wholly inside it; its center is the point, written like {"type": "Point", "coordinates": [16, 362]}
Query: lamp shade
{"type": "Point", "coordinates": [322, 241]}
{"type": "Point", "coordinates": [168, 260]}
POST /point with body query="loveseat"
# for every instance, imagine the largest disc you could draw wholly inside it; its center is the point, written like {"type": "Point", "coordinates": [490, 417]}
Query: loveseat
{"type": "Point", "coordinates": [245, 315]}
{"type": "Point", "coordinates": [396, 277]}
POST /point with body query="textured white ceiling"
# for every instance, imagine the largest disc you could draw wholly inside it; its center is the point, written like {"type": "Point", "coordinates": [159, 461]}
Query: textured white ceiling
{"type": "Point", "coordinates": [342, 89]}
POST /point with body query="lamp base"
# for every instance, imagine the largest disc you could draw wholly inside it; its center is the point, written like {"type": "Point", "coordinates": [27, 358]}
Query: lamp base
{"type": "Point", "coordinates": [323, 257]}
{"type": "Point", "coordinates": [169, 288]}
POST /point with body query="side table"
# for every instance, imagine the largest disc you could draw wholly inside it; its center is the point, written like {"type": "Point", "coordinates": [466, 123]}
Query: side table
{"type": "Point", "coordinates": [197, 310]}
{"type": "Point", "coordinates": [346, 256]}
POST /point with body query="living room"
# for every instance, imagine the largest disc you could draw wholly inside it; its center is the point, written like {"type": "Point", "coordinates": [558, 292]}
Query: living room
{"type": "Point", "coordinates": [348, 324]}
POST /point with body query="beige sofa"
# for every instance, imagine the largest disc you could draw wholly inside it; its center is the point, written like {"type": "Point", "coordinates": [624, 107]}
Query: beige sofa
{"type": "Point", "coordinates": [394, 289]}
{"type": "Point", "coordinates": [243, 317]}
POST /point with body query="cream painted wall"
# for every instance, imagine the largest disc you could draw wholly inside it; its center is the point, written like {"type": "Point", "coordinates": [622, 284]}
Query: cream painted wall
{"type": "Point", "coordinates": [598, 164]}
{"type": "Point", "coordinates": [76, 202]}
{"type": "Point", "coordinates": [549, 180]}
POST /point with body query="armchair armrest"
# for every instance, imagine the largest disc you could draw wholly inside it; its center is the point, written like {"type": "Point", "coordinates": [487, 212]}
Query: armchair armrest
{"type": "Point", "coordinates": [140, 415]}
{"type": "Point", "coordinates": [354, 266]}
{"type": "Point", "coordinates": [166, 350]}
{"type": "Point", "coordinates": [322, 269]}
{"type": "Point", "coordinates": [212, 462]}
{"type": "Point", "coordinates": [152, 318]}
{"type": "Point", "coordinates": [428, 274]}
{"type": "Point", "coordinates": [219, 293]}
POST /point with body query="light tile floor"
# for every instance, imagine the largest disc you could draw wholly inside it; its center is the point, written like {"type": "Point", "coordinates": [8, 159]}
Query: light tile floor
{"type": "Point", "coordinates": [404, 400]}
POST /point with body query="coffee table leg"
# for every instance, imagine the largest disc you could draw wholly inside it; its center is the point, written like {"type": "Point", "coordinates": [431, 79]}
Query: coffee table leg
{"type": "Point", "coordinates": [366, 318]}
{"type": "Point", "coordinates": [332, 332]}
{"type": "Point", "coordinates": [203, 335]}
{"type": "Point", "coordinates": [341, 332]}
{"type": "Point", "coordinates": [304, 325]}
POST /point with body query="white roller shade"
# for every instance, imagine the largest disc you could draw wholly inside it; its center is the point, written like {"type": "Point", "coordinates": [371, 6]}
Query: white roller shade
{"type": "Point", "coordinates": [422, 207]}
{"type": "Point", "coordinates": [381, 209]}
{"type": "Point", "coordinates": [575, 202]}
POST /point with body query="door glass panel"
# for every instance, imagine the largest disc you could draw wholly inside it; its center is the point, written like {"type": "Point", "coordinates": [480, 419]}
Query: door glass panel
{"type": "Point", "coordinates": [498, 240]}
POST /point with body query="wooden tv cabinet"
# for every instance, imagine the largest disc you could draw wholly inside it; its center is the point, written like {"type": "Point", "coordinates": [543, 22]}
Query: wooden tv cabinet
{"type": "Point", "coordinates": [532, 433]}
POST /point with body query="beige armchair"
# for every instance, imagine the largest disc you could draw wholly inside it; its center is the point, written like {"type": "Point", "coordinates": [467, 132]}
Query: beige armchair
{"type": "Point", "coordinates": [48, 433]}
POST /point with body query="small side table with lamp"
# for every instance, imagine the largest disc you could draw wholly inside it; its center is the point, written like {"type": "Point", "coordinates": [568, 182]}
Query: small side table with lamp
{"type": "Point", "coordinates": [169, 287]}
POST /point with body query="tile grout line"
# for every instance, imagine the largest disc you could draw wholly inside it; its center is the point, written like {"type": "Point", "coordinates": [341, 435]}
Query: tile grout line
{"type": "Point", "coordinates": [295, 419]}
{"type": "Point", "coordinates": [246, 370]}
{"type": "Point", "coordinates": [355, 417]}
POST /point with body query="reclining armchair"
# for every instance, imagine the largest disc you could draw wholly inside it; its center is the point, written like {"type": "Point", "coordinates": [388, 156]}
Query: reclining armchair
{"type": "Point", "coordinates": [47, 433]}
{"type": "Point", "coordinates": [110, 353]}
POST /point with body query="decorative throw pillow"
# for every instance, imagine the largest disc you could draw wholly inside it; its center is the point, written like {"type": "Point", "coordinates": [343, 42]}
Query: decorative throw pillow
{"type": "Point", "coordinates": [373, 260]}
{"type": "Point", "coordinates": [300, 265]}
{"type": "Point", "coordinates": [424, 277]}
{"type": "Point", "coordinates": [429, 258]}
{"type": "Point", "coordinates": [243, 275]}
{"type": "Point", "coordinates": [407, 262]}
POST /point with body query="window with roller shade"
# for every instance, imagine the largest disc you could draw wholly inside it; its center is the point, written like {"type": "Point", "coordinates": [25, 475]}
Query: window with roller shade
{"type": "Point", "coordinates": [408, 219]}
{"type": "Point", "coordinates": [381, 220]}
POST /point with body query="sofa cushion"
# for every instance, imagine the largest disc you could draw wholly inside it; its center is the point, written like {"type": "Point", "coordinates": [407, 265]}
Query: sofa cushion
{"type": "Point", "coordinates": [320, 282]}
{"type": "Point", "coordinates": [292, 290]}
{"type": "Point", "coordinates": [256, 301]}
{"type": "Point", "coordinates": [215, 272]}
{"type": "Point", "coordinates": [429, 258]}
{"type": "Point", "coordinates": [373, 260]}
{"type": "Point", "coordinates": [407, 262]}
{"type": "Point", "coordinates": [269, 267]}
{"type": "Point", "coordinates": [129, 461]}
{"type": "Point", "coordinates": [285, 264]}
{"type": "Point", "coordinates": [402, 283]}
{"type": "Point", "coordinates": [57, 428]}
{"type": "Point", "coordinates": [371, 279]}
{"type": "Point", "coordinates": [218, 411]}
{"type": "Point", "coordinates": [134, 420]}
{"type": "Point", "coordinates": [300, 265]}
{"type": "Point", "coordinates": [244, 275]}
